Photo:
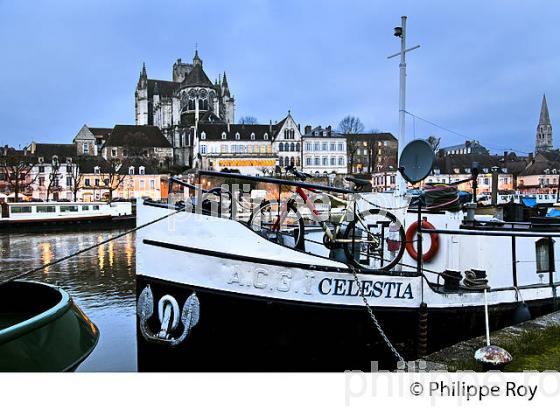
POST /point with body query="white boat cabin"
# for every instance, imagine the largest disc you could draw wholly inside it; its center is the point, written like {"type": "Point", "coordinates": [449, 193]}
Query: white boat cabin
{"type": "Point", "coordinates": [20, 211]}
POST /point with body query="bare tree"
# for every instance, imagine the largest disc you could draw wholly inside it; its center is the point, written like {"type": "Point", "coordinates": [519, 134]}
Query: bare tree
{"type": "Point", "coordinates": [54, 178]}
{"type": "Point", "coordinates": [348, 126]}
{"type": "Point", "coordinates": [17, 171]}
{"type": "Point", "coordinates": [248, 119]}
{"type": "Point", "coordinates": [116, 174]}
{"type": "Point", "coordinates": [76, 177]}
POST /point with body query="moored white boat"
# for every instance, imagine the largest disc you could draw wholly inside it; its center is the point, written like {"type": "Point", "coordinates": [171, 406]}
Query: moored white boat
{"type": "Point", "coordinates": [260, 305]}
{"type": "Point", "coordinates": [38, 215]}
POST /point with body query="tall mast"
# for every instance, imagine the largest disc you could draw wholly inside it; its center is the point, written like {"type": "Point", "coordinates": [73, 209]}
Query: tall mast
{"type": "Point", "coordinates": [401, 32]}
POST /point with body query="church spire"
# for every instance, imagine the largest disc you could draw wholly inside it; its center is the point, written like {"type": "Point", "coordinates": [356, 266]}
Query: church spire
{"type": "Point", "coordinates": [544, 118]}
{"type": "Point", "coordinates": [143, 80]}
{"type": "Point", "coordinates": [544, 129]}
{"type": "Point", "coordinates": [196, 59]}
{"type": "Point", "coordinates": [225, 87]}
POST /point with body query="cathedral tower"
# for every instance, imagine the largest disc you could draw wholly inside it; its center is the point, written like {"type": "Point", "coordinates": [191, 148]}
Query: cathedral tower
{"type": "Point", "coordinates": [544, 129]}
{"type": "Point", "coordinates": [141, 98]}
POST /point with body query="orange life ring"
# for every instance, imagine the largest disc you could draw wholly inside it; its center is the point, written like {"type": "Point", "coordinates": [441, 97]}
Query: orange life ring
{"type": "Point", "coordinates": [410, 237]}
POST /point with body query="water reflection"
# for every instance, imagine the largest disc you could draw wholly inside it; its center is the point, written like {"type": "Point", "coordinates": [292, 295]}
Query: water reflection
{"type": "Point", "coordinates": [101, 281]}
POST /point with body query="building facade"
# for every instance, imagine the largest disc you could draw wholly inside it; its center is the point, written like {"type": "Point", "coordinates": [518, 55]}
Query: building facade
{"type": "Point", "coordinates": [138, 141]}
{"type": "Point", "coordinates": [372, 152]}
{"type": "Point", "coordinates": [324, 151]}
{"type": "Point", "coordinates": [54, 171]}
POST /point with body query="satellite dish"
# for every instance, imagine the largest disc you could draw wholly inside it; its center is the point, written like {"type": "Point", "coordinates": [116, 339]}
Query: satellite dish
{"type": "Point", "coordinates": [416, 161]}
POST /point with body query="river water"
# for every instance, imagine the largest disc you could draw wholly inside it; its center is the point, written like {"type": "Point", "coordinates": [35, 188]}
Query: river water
{"type": "Point", "coordinates": [101, 281]}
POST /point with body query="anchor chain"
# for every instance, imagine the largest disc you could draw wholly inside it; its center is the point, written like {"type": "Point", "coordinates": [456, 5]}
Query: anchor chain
{"type": "Point", "coordinates": [397, 355]}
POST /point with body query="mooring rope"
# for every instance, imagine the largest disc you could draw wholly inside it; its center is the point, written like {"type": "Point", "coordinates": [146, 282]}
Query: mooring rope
{"type": "Point", "coordinates": [89, 248]}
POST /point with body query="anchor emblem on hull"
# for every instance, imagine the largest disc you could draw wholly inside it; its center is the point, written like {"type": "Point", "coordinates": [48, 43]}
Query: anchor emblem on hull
{"type": "Point", "coordinates": [169, 317]}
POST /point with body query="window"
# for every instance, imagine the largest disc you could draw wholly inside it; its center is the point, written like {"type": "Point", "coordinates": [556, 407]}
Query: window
{"type": "Point", "coordinates": [85, 207]}
{"type": "Point", "coordinates": [252, 136]}
{"type": "Point", "coordinates": [281, 146]}
{"type": "Point", "coordinates": [340, 147]}
{"type": "Point", "coordinates": [203, 149]}
{"type": "Point", "coordinates": [308, 146]}
{"type": "Point", "coordinates": [224, 136]}
{"type": "Point", "coordinates": [96, 181]}
{"type": "Point", "coordinates": [69, 181]}
{"type": "Point", "coordinates": [544, 249]}
{"type": "Point", "coordinates": [325, 146]}
{"type": "Point", "coordinates": [142, 171]}
{"type": "Point", "coordinates": [131, 170]}
{"type": "Point", "coordinates": [203, 135]}
{"type": "Point", "coordinates": [142, 184]}
{"type": "Point", "coordinates": [297, 146]}
{"type": "Point", "coordinates": [96, 207]}
{"type": "Point", "coordinates": [113, 152]}
{"type": "Point", "coordinates": [325, 161]}
{"type": "Point", "coordinates": [41, 168]}
{"type": "Point", "coordinates": [46, 208]}
{"type": "Point", "coordinates": [85, 148]}
{"type": "Point", "coordinates": [68, 168]}
{"type": "Point", "coordinates": [106, 181]}
{"type": "Point", "coordinates": [317, 161]}
{"type": "Point", "coordinates": [281, 161]}
{"type": "Point", "coordinates": [96, 170]}
{"type": "Point", "coordinates": [317, 146]}
{"type": "Point", "coordinates": [41, 181]}
{"type": "Point", "coordinates": [152, 184]}
{"type": "Point", "coordinates": [20, 209]}
{"type": "Point", "coordinates": [333, 161]}
{"type": "Point", "coordinates": [292, 146]}
{"type": "Point", "coordinates": [333, 146]}
{"type": "Point", "coordinates": [307, 161]}
{"type": "Point", "coordinates": [41, 160]}
{"type": "Point", "coordinates": [266, 136]}
{"type": "Point", "coordinates": [340, 161]}
{"type": "Point", "coordinates": [68, 208]}
{"type": "Point", "coordinates": [87, 182]}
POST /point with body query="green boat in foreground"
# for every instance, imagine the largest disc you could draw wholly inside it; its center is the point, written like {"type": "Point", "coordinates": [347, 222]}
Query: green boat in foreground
{"type": "Point", "coordinates": [42, 329]}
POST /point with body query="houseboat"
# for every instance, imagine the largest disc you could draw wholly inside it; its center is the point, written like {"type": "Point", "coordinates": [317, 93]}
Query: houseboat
{"type": "Point", "coordinates": [41, 215]}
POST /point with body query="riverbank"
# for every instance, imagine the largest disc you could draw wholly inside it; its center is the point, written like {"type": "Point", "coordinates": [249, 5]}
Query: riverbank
{"type": "Point", "coordinates": [534, 345]}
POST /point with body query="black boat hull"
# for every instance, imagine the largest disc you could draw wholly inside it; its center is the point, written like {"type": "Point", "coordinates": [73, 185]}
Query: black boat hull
{"type": "Point", "coordinates": [237, 332]}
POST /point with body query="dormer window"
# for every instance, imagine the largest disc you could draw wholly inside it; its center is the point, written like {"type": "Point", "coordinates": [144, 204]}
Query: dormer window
{"type": "Point", "coordinates": [554, 171]}
{"type": "Point", "coordinates": [252, 136]}
{"type": "Point", "coordinates": [55, 160]}
{"type": "Point", "coordinates": [68, 160]}
{"type": "Point", "coordinates": [266, 136]}
{"type": "Point", "coordinates": [141, 171]}
{"type": "Point", "coordinates": [41, 160]}
{"type": "Point", "coordinates": [130, 170]}
{"type": "Point", "coordinates": [96, 170]}
{"type": "Point", "coordinates": [203, 135]}
{"type": "Point", "coordinates": [224, 135]}
{"type": "Point", "coordinates": [237, 136]}
{"type": "Point", "coordinates": [547, 171]}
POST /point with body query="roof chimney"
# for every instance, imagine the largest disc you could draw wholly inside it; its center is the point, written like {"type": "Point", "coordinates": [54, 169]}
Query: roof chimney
{"type": "Point", "coordinates": [307, 129]}
{"type": "Point", "coordinates": [228, 129]}
{"type": "Point", "coordinates": [270, 127]}
{"type": "Point", "coordinates": [530, 157]}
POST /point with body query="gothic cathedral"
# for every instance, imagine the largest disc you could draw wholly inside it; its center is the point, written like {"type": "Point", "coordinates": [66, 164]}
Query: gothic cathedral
{"type": "Point", "coordinates": [177, 106]}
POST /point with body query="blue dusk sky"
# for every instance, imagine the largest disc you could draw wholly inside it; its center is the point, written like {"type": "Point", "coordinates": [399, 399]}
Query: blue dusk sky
{"type": "Point", "coordinates": [481, 71]}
